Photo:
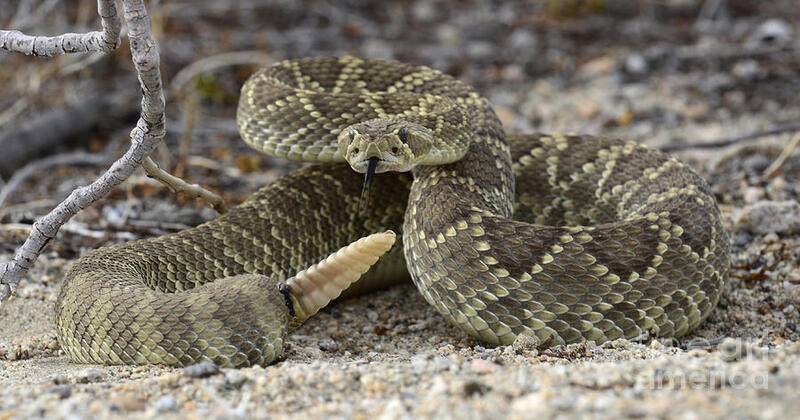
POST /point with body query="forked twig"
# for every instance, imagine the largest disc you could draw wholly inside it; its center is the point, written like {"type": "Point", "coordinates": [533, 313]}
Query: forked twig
{"type": "Point", "coordinates": [146, 135]}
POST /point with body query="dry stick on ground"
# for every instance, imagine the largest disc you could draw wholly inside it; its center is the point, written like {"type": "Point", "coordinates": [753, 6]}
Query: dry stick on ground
{"type": "Point", "coordinates": [189, 110]}
{"type": "Point", "coordinates": [733, 140]}
{"type": "Point", "coordinates": [79, 229]}
{"type": "Point", "coordinates": [44, 165]}
{"type": "Point", "coordinates": [214, 62]}
{"type": "Point", "coordinates": [786, 153]}
{"type": "Point", "coordinates": [42, 132]}
{"type": "Point", "coordinates": [11, 112]}
{"type": "Point", "coordinates": [28, 206]}
{"type": "Point", "coordinates": [147, 134]}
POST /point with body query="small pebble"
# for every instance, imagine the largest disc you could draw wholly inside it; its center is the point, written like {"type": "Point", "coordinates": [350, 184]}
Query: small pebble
{"type": "Point", "coordinates": [483, 366]}
{"type": "Point", "coordinates": [327, 344]}
{"type": "Point", "coordinates": [731, 349]}
{"type": "Point", "coordinates": [526, 342]}
{"type": "Point", "coordinates": [752, 195]}
{"type": "Point", "coordinates": [169, 380]}
{"type": "Point", "coordinates": [763, 217]}
{"type": "Point", "coordinates": [424, 11]}
{"type": "Point", "coordinates": [201, 370]}
{"type": "Point", "coordinates": [18, 352]}
{"type": "Point", "coordinates": [773, 32]}
{"type": "Point", "coordinates": [419, 363]}
{"type": "Point", "coordinates": [522, 38]}
{"type": "Point", "coordinates": [63, 390]}
{"type": "Point", "coordinates": [166, 403]}
{"type": "Point", "coordinates": [234, 379]}
{"type": "Point", "coordinates": [127, 402]}
{"type": "Point", "coordinates": [747, 69]}
{"type": "Point", "coordinates": [89, 375]}
{"type": "Point", "coordinates": [741, 239]}
{"type": "Point", "coordinates": [372, 316]}
{"type": "Point", "coordinates": [60, 380]}
{"type": "Point", "coordinates": [394, 409]}
{"type": "Point", "coordinates": [636, 64]}
{"type": "Point", "coordinates": [471, 388]}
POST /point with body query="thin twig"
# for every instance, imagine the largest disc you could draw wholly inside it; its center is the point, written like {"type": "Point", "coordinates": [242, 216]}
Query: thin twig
{"type": "Point", "coordinates": [786, 153]}
{"type": "Point", "coordinates": [191, 101]}
{"type": "Point", "coordinates": [39, 133]}
{"type": "Point", "coordinates": [29, 17]}
{"type": "Point", "coordinates": [11, 112]}
{"type": "Point", "coordinates": [214, 62]}
{"type": "Point", "coordinates": [733, 140]}
{"type": "Point", "coordinates": [708, 11]}
{"type": "Point", "coordinates": [26, 206]}
{"type": "Point", "coordinates": [179, 186]}
{"type": "Point", "coordinates": [75, 228]}
{"type": "Point", "coordinates": [147, 134]}
{"type": "Point", "coordinates": [105, 40]}
{"type": "Point", "coordinates": [43, 165]}
{"type": "Point", "coordinates": [185, 141]}
{"type": "Point", "coordinates": [158, 225]}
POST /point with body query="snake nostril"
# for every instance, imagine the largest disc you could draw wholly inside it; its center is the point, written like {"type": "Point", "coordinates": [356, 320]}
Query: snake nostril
{"type": "Point", "coordinates": [394, 150]}
{"type": "Point", "coordinates": [355, 151]}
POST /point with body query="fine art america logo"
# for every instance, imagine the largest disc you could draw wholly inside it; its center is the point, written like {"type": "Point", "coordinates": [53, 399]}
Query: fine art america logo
{"type": "Point", "coordinates": [740, 365]}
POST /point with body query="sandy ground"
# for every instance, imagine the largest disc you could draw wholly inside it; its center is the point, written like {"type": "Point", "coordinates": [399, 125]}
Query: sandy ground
{"type": "Point", "coordinates": [388, 354]}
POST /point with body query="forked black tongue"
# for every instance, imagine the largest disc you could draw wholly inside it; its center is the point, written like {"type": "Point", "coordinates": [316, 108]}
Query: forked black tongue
{"type": "Point", "coordinates": [372, 164]}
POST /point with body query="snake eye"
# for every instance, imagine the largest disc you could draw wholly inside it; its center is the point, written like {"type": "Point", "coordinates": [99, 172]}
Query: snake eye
{"type": "Point", "coordinates": [402, 133]}
{"type": "Point", "coordinates": [395, 150]}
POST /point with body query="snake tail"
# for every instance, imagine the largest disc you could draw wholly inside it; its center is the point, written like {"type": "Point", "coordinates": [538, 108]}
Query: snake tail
{"type": "Point", "coordinates": [233, 321]}
{"type": "Point", "coordinates": [313, 288]}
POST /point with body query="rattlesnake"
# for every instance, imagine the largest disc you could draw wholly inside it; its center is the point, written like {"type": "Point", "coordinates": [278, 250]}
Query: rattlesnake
{"type": "Point", "coordinates": [609, 239]}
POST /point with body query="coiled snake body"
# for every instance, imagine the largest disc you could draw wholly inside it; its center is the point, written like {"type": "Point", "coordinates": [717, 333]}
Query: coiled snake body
{"type": "Point", "coordinates": [608, 239]}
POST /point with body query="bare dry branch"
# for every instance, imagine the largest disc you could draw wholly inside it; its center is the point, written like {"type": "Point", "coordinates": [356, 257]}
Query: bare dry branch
{"type": "Point", "coordinates": [75, 228]}
{"type": "Point", "coordinates": [180, 186]}
{"type": "Point", "coordinates": [145, 137]}
{"type": "Point", "coordinates": [786, 153]}
{"type": "Point", "coordinates": [147, 134]}
{"type": "Point", "coordinates": [733, 140]}
{"type": "Point", "coordinates": [102, 41]}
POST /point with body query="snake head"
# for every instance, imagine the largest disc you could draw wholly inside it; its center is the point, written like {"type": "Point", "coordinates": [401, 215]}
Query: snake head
{"type": "Point", "coordinates": [396, 145]}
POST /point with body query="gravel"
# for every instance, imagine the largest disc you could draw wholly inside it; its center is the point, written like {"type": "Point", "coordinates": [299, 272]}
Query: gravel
{"type": "Point", "coordinates": [763, 217]}
{"type": "Point", "coordinates": [201, 370]}
{"type": "Point", "coordinates": [633, 74]}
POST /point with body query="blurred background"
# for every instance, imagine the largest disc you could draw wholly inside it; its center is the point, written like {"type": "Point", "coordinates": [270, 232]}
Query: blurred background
{"type": "Point", "coordinates": [714, 81]}
{"type": "Point", "coordinates": [673, 74]}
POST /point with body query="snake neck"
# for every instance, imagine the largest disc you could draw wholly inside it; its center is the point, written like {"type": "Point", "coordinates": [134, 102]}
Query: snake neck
{"type": "Point", "coordinates": [482, 179]}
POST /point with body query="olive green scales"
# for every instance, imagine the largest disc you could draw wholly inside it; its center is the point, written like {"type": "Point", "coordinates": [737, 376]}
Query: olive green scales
{"type": "Point", "coordinates": [565, 238]}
